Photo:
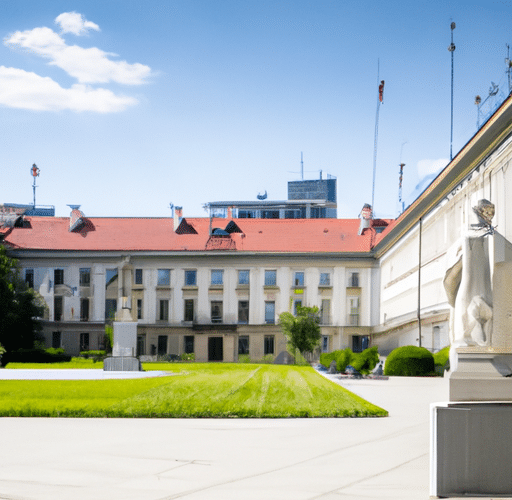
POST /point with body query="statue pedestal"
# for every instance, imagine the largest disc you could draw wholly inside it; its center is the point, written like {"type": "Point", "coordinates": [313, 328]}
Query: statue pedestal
{"type": "Point", "coordinates": [471, 436]}
{"type": "Point", "coordinates": [481, 374]}
{"type": "Point", "coordinates": [470, 449]}
{"type": "Point", "coordinates": [125, 348]}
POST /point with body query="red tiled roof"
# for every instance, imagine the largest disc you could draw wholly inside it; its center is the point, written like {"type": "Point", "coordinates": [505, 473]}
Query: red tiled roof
{"type": "Point", "coordinates": [157, 234]}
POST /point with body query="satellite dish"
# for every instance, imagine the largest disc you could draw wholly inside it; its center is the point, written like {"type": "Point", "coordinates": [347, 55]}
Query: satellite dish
{"type": "Point", "coordinates": [262, 196]}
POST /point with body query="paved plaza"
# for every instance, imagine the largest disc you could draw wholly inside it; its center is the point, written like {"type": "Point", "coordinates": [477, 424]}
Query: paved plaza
{"type": "Point", "coordinates": [193, 459]}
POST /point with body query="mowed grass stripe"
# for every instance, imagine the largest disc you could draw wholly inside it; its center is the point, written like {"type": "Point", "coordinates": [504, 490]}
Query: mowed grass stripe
{"type": "Point", "coordinates": [195, 390]}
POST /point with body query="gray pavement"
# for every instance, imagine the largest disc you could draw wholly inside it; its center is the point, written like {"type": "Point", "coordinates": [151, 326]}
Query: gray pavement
{"type": "Point", "coordinates": [164, 459]}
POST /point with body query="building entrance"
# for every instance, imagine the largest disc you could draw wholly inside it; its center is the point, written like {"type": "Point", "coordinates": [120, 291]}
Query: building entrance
{"type": "Point", "coordinates": [215, 349]}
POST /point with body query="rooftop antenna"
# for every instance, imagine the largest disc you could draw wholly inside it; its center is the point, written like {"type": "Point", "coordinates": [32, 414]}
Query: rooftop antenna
{"type": "Point", "coordinates": [380, 100]}
{"type": "Point", "coordinates": [301, 167]}
{"type": "Point", "coordinates": [508, 62]}
{"type": "Point", "coordinates": [400, 179]}
{"type": "Point", "coordinates": [451, 49]}
{"type": "Point", "coordinates": [35, 173]}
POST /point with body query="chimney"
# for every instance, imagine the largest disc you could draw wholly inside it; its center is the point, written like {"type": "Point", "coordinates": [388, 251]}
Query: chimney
{"type": "Point", "coordinates": [366, 218]}
{"type": "Point", "coordinates": [178, 215]}
{"type": "Point", "coordinates": [76, 218]}
{"type": "Point", "coordinates": [230, 212]}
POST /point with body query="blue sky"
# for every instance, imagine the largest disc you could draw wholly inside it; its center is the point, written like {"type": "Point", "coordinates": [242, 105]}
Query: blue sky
{"type": "Point", "coordinates": [128, 106]}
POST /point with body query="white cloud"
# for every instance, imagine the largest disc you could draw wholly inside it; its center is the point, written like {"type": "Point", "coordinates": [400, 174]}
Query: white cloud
{"type": "Point", "coordinates": [25, 90]}
{"type": "Point", "coordinates": [431, 167]}
{"type": "Point", "coordinates": [72, 22]}
{"type": "Point", "coordinates": [90, 65]}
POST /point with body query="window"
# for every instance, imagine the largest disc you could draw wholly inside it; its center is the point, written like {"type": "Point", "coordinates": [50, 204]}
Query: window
{"type": "Point", "coordinates": [85, 276]}
{"type": "Point", "coordinates": [162, 345]}
{"type": "Point", "coordinates": [57, 308]}
{"type": "Point", "coordinates": [243, 277]}
{"type": "Point", "coordinates": [141, 345]}
{"type": "Point", "coordinates": [354, 279]}
{"type": "Point", "coordinates": [190, 277]}
{"type": "Point", "coordinates": [268, 347]}
{"type": "Point", "coordinates": [163, 310]}
{"type": "Point", "coordinates": [84, 309]}
{"type": "Point", "coordinates": [296, 304]}
{"type": "Point", "coordinates": [325, 312]}
{"type": "Point", "coordinates": [360, 343]}
{"type": "Point", "coordinates": [270, 278]}
{"type": "Point", "coordinates": [354, 311]}
{"type": "Point", "coordinates": [270, 312]}
{"type": "Point", "coordinates": [138, 276]}
{"type": "Point", "coordinates": [189, 344]}
{"type": "Point", "coordinates": [110, 308]}
{"type": "Point", "coordinates": [299, 279]}
{"type": "Point", "coordinates": [325, 279]}
{"type": "Point", "coordinates": [243, 344]}
{"type": "Point", "coordinates": [139, 308]}
{"type": "Point", "coordinates": [29, 277]}
{"type": "Point", "coordinates": [216, 311]}
{"type": "Point", "coordinates": [110, 276]}
{"type": "Point", "coordinates": [56, 340]}
{"type": "Point", "coordinates": [84, 342]}
{"type": "Point", "coordinates": [58, 276]}
{"type": "Point", "coordinates": [164, 277]}
{"type": "Point", "coordinates": [243, 312]}
{"type": "Point", "coordinates": [189, 310]}
{"type": "Point", "coordinates": [325, 343]}
{"type": "Point", "coordinates": [217, 277]}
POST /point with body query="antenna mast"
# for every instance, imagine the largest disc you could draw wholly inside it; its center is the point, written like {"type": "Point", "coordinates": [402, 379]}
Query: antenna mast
{"type": "Point", "coordinates": [451, 49]}
{"type": "Point", "coordinates": [301, 167]}
{"type": "Point", "coordinates": [380, 100]}
{"type": "Point", "coordinates": [508, 62]}
{"type": "Point", "coordinates": [35, 173]}
{"type": "Point", "coordinates": [400, 179]}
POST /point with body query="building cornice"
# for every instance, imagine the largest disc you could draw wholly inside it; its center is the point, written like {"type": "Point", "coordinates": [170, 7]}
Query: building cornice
{"type": "Point", "coordinates": [78, 254]}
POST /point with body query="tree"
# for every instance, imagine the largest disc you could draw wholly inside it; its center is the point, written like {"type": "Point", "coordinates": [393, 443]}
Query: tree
{"type": "Point", "coordinates": [302, 331]}
{"type": "Point", "coordinates": [20, 307]}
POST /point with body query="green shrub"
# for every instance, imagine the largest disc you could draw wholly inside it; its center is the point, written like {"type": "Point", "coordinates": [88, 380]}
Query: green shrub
{"type": "Point", "coordinates": [188, 356]}
{"type": "Point", "coordinates": [364, 362]}
{"type": "Point", "coordinates": [244, 358]}
{"type": "Point", "coordinates": [54, 351]}
{"type": "Point", "coordinates": [442, 361]}
{"type": "Point", "coordinates": [326, 358]}
{"type": "Point", "coordinates": [267, 359]}
{"type": "Point", "coordinates": [442, 357]}
{"type": "Point", "coordinates": [409, 361]}
{"type": "Point", "coordinates": [343, 358]}
{"type": "Point", "coordinates": [95, 355]}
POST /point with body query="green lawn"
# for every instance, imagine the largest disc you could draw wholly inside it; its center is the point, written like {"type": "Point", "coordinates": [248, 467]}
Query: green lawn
{"type": "Point", "coordinates": [190, 390]}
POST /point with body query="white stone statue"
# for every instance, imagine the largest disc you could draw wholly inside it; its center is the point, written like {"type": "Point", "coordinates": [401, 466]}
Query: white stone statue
{"type": "Point", "coordinates": [468, 283]}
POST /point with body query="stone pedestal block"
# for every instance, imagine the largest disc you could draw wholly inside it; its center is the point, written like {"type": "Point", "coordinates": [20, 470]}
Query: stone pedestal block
{"type": "Point", "coordinates": [470, 449]}
{"type": "Point", "coordinates": [125, 339]}
{"type": "Point", "coordinates": [122, 364]}
{"type": "Point", "coordinates": [481, 376]}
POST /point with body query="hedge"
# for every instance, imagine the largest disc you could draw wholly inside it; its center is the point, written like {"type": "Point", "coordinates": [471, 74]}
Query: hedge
{"type": "Point", "coordinates": [363, 362]}
{"type": "Point", "coordinates": [409, 361]}
{"type": "Point", "coordinates": [50, 355]}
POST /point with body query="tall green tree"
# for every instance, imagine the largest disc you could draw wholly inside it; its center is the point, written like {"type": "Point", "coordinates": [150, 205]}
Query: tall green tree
{"type": "Point", "coordinates": [302, 331]}
{"type": "Point", "coordinates": [20, 307]}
